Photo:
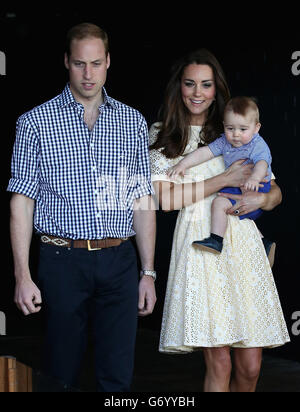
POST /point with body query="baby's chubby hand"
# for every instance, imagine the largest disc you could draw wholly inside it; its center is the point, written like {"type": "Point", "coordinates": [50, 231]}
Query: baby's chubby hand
{"type": "Point", "coordinates": [177, 170]}
{"type": "Point", "coordinates": [252, 185]}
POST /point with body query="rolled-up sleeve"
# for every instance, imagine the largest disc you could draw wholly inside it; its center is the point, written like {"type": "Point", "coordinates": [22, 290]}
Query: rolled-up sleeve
{"type": "Point", "coordinates": [143, 178]}
{"type": "Point", "coordinates": [25, 160]}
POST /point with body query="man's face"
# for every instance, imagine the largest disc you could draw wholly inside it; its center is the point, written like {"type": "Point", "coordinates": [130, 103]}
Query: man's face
{"type": "Point", "coordinates": [87, 67]}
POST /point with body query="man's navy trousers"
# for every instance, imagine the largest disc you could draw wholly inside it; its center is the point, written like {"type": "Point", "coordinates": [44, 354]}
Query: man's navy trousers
{"type": "Point", "coordinates": [98, 288]}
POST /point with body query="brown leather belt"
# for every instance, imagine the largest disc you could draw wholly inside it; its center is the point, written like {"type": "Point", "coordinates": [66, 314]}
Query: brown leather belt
{"type": "Point", "coordinates": [83, 244]}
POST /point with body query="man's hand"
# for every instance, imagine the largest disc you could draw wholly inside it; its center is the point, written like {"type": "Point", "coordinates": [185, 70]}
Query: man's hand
{"type": "Point", "coordinates": [27, 297]}
{"type": "Point", "coordinates": [147, 296]}
{"type": "Point", "coordinates": [144, 225]}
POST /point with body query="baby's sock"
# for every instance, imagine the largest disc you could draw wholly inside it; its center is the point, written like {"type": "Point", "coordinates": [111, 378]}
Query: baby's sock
{"type": "Point", "coordinates": [216, 237]}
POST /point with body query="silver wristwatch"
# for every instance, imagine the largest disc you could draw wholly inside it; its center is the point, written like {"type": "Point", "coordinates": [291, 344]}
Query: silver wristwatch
{"type": "Point", "coordinates": [151, 273]}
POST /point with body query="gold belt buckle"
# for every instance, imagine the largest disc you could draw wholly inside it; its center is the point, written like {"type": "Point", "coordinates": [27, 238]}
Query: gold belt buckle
{"type": "Point", "coordinates": [92, 249]}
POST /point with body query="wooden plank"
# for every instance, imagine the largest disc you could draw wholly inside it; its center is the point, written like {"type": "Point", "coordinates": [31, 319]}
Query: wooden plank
{"type": "Point", "coordinates": [3, 375]}
{"type": "Point", "coordinates": [29, 379]}
{"type": "Point", "coordinates": [22, 377]}
{"type": "Point", "coordinates": [14, 376]}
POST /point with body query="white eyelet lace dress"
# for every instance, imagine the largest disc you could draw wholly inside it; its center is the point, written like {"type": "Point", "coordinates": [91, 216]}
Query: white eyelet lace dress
{"type": "Point", "coordinates": [215, 301]}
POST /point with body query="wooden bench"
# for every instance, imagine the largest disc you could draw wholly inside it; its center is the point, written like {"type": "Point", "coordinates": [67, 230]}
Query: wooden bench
{"type": "Point", "coordinates": [14, 376]}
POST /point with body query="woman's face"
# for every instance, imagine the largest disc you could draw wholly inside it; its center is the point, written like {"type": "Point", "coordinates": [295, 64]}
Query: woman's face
{"type": "Point", "coordinates": [198, 91]}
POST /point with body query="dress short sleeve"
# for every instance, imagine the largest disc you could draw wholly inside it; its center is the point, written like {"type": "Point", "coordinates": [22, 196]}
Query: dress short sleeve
{"type": "Point", "coordinates": [160, 164]}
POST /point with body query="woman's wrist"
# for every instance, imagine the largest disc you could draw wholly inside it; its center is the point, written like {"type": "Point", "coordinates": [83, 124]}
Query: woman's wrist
{"type": "Point", "coordinates": [271, 199]}
{"type": "Point", "coordinates": [223, 180]}
{"type": "Point", "coordinates": [263, 201]}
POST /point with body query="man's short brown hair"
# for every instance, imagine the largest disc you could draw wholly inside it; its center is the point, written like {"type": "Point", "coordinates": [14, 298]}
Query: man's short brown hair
{"type": "Point", "coordinates": [85, 31]}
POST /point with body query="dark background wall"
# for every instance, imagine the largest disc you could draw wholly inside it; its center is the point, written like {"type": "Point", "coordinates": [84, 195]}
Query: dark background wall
{"type": "Point", "coordinates": [256, 54]}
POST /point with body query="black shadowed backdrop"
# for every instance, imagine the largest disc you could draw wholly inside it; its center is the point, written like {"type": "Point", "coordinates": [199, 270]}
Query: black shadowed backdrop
{"type": "Point", "coordinates": [260, 60]}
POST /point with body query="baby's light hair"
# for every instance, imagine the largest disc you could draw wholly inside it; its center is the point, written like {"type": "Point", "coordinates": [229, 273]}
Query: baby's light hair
{"type": "Point", "coordinates": [242, 105]}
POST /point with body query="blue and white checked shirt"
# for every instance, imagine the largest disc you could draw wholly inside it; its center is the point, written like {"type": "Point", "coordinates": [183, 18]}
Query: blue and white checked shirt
{"type": "Point", "coordinates": [84, 182]}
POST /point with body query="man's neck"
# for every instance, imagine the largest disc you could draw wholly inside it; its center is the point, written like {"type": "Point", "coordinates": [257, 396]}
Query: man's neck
{"type": "Point", "coordinates": [90, 104]}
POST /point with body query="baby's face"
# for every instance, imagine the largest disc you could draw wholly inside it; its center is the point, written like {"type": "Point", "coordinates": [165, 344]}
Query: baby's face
{"type": "Point", "coordinates": [239, 130]}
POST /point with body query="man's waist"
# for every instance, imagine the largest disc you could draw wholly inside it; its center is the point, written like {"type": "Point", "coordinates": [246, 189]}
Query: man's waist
{"type": "Point", "coordinates": [94, 244]}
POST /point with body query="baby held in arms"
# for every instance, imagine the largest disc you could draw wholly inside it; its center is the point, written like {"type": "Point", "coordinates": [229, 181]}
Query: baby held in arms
{"type": "Point", "coordinates": [240, 141]}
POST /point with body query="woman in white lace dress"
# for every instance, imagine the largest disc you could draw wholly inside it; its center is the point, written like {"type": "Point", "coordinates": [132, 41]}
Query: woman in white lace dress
{"type": "Point", "coordinates": [214, 303]}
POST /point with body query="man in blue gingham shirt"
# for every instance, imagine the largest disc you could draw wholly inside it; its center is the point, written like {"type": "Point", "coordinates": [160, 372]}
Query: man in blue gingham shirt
{"type": "Point", "coordinates": [80, 170]}
{"type": "Point", "coordinates": [84, 182]}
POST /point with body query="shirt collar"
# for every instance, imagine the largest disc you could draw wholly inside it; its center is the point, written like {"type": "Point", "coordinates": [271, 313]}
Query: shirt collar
{"type": "Point", "coordinates": [255, 137]}
{"type": "Point", "coordinates": [67, 99]}
{"type": "Point", "coordinates": [252, 141]}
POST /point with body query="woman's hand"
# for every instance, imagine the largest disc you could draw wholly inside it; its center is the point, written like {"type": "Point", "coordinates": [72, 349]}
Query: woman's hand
{"type": "Point", "coordinates": [250, 201]}
{"type": "Point", "coordinates": [245, 203]}
{"type": "Point", "coordinates": [238, 173]}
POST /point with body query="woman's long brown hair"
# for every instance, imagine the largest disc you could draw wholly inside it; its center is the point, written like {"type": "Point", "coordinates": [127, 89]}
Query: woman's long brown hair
{"type": "Point", "coordinates": [174, 116]}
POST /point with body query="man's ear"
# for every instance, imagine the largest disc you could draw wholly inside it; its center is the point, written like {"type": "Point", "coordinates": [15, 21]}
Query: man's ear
{"type": "Point", "coordinates": [67, 66]}
{"type": "Point", "coordinates": [108, 60]}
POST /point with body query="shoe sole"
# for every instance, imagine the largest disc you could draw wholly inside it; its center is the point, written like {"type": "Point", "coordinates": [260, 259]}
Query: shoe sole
{"type": "Point", "coordinates": [271, 255]}
{"type": "Point", "coordinates": [207, 249]}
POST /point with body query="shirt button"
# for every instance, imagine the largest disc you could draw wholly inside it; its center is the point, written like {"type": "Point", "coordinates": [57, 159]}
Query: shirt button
{"type": "Point", "coordinates": [94, 168]}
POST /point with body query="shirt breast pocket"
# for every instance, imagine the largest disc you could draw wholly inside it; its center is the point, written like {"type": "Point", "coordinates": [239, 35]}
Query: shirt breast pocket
{"type": "Point", "coordinates": [242, 154]}
{"type": "Point", "coordinates": [129, 158]}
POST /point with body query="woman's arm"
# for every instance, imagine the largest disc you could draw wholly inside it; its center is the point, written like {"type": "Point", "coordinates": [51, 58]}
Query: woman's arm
{"type": "Point", "coordinates": [177, 196]}
{"type": "Point", "coordinates": [272, 199]}
{"type": "Point", "coordinates": [250, 201]}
